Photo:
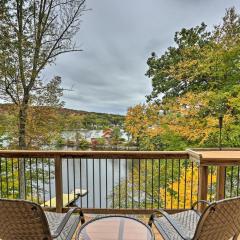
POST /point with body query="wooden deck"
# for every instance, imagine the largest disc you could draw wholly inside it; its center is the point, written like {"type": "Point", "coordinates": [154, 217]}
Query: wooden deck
{"type": "Point", "coordinates": [143, 218]}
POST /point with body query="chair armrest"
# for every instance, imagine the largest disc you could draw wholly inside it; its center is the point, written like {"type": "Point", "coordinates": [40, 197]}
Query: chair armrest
{"type": "Point", "coordinates": [65, 220]}
{"type": "Point", "coordinates": [172, 221]}
{"type": "Point", "coordinates": [199, 201]}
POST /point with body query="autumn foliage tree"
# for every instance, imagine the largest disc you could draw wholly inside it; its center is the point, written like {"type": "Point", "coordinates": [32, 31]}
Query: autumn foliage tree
{"type": "Point", "coordinates": [194, 83]}
{"type": "Point", "coordinates": [149, 128]}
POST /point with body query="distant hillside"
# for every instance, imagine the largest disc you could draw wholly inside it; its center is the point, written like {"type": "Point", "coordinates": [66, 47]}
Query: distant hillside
{"type": "Point", "coordinates": [91, 119]}
{"type": "Point", "coordinates": [7, 107]}
{"type": "Point", "coordinates": [74, 111]}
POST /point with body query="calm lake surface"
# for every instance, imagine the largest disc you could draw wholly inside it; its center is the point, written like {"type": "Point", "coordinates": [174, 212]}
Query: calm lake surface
{"type": "Point", "coordinates": [97, 176]}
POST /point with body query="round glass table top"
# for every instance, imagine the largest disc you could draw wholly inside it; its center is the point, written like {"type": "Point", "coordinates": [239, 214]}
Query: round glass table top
{"type": "Point", "coordinates": [115, 228]}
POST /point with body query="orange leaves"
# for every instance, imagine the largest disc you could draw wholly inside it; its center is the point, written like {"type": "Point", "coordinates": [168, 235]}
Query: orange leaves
{"type": "Point", "coordinates": [142, 119]}
{"type": "Point", "coordinates": [43, 126]}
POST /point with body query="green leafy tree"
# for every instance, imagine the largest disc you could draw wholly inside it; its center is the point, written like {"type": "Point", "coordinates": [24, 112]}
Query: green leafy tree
{"type": "Point", "coordinates": [201, 60]}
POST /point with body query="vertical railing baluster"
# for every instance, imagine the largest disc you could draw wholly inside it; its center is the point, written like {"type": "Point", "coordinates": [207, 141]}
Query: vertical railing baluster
{"type": "Point", "coordinates": [100, 183]}
{"type": "Point", "coordinates": [159, 182]}
{"type": "Point", "coordinates": [106, 183]}
{"type": "Point", "coordinates": [49, 181]}
{"type": "Point", "coordinates": [74, 178]}
{"type": "Point", "coordinates": [191, 201]}
{"type": "Point", "coordinates": [68, 183]}
{"type": "Point", "coordinates": [238, 180]}
{"type": "Point", "coordinates": [30, 173]}
{"type": "Point", "coordinates": [139, 183]}
{"type": "Point", "coordinates": [179, 175]}
{"type": "Point", "coordinates": [13, 186]}
{"type": "Point", "coordinates": [43, 180]}
{"type": "Point", "coordinates": [93, 174]}
{"type": "Point", "coordinates": [225, 182]}
{"type": "Point", "coordinates": [6, 175]}
{"type": "Point", "coordinates": [87, 181]}
{"type": "Point", "coordinates": [113, 181]}
{"type": "Point", "coordinates": [152, 183]}
{"type": "Point", "coordinates": [119, 182]}
{"type": "Point", "coordinates": [165, 187]}
{"type": "Point", "coordinates": [145, 183]}
{"type": "Point", "coordinates": [172, 184]}
{"type": "Point", "coordinates": [19, 188]}
{"type": "Point", "coordinates": [80, 178]}
{"type": "Point", "coordinates": [132, 184]}
{"type": "Point", "coordinates": [211, 183]}
{"type": "Point", "coordinates": [36, 161]}
{"type": "Point", "coordinates": [1, 182]}
{"type": "Point", "coordinates": [198, 184]}
{"type": "Point", "coordinates": [126, 183]}
{"type": "Point", "coordinates": [231, 183]}
{"type": "Point", "coordinates": [25, 178]}
{"type": "Point", "coordinates": [185, 184]}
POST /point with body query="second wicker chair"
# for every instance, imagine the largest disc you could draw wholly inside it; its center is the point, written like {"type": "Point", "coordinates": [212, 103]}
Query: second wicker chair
{"type": "Point", "coordinates": [219, 221]}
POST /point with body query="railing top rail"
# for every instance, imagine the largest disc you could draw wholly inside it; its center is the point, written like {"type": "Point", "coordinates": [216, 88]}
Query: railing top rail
{"type": "Point", "coordinates": [97, 154]}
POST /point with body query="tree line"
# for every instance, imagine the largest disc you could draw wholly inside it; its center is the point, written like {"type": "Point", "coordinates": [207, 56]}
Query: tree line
{"type": "Point", "coordinates": [45, 124]}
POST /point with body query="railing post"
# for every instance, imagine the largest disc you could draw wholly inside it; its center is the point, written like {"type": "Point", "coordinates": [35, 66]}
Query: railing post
{"type": "Point", "coordinates": [220, 182]}
{"type": "Point", "coordinates": [203, 185]}
{"type": "Point", "coordinates": [22, 180]}
{"type": "Point", "coordinates": [58, 184]}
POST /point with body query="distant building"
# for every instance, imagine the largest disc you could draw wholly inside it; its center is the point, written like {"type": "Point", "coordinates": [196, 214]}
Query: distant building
{"type": "Point", "coordinates": [91, 135]}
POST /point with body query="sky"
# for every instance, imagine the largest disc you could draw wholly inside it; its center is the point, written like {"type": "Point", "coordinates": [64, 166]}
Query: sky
{"type": "Point", "coordinates": [117, 37]}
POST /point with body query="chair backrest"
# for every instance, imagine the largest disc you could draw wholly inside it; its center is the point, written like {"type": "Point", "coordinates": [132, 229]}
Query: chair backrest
{"type": "Point", "coordinates": [220, 220]}
{"type": "Point", "coordinates": [22, 220]}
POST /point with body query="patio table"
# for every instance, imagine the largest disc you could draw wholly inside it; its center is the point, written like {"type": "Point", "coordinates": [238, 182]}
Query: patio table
{"type": "Point", "coordinates": [115, 228]}
{"type": "Point", "coordinates": [221, 158]}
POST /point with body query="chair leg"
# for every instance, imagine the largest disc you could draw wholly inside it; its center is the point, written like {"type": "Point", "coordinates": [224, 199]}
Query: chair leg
{"type": "Point", "coordinates": [82, 217]}
{"type": "Point", "coordinates": [150, 221]}
{"type": "Point", "coordinates": [235, 237]}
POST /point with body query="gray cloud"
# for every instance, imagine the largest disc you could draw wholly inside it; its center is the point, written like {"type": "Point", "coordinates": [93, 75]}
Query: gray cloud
{"type": "Point", "coordinates": [117, 37]}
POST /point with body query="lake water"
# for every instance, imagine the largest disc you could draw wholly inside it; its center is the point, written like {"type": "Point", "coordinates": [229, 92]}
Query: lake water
{"type": "Point", "coordinates": [97, 176]}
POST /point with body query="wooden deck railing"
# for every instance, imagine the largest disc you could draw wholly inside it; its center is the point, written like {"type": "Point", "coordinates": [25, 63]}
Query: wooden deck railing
{"type": "Point", "coordinates": [116, 182]}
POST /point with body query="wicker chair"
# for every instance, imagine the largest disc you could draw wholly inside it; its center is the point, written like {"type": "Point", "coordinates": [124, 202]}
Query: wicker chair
{"type": "Point", "coordinates": [219, 221]}
{"type": "Point", "coordinates": [24, 220]}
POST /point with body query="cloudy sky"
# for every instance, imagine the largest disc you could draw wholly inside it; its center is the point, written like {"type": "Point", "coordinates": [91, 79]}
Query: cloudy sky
{"type": "Point", "coordinates": [117, 37]}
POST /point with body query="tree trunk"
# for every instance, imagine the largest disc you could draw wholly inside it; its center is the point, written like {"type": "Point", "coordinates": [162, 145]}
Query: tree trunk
{"type": "Point", "coordinates": [22, 146]}
{"type": "Point", "coordinates": [22, 126]}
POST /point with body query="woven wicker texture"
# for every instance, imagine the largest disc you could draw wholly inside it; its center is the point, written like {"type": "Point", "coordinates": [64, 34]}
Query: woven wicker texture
{"type": "Point", "coordinates": [54, 219]}
{"type": "Point", "coordinates": [222, 221]}
{"type": "Point", "coordinates": [22, 220]}
{"type": "Point", "coordinates": [187, 222]}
